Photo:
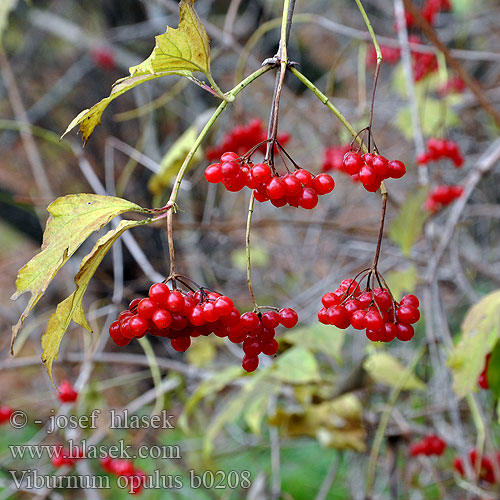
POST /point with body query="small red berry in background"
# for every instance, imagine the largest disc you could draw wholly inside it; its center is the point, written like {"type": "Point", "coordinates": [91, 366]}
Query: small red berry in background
{"type": "Point", "coordinates": [104, 58]}
{"type": "Point", "coordinates": [482, 380]}
{"type": "Point", "coordinates": [67, 393]}
{"type": "Point", "coordinates": [5, 414]}
{"type": "Point", "coordinates": [136, 478]}
{"type": "Point", "coordinates": [437, 149]}
{"type": "Point", "coordinates": [486, 466]}
{"type": "Point", "coordinates": [62, 457]}
{"type": "Point", "coordinates": [441, 196]}
{"type": "Point", "coordinates": [333, 157]}
{"type": "Point", "coordinates": [429, 445]}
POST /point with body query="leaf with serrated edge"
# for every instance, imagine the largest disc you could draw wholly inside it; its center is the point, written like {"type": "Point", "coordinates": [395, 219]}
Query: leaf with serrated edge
{"type": "Point", "coordinates": [71, 307]}
{"type": "Point", "coordinates": [72, 219]}
{"type": "Point", "coordinates": [178, 51]}
{"type": "Point", "coordinates": [408, 225]}
{"type": "Point", "coordinates": [385, 369]}
{"type": "Point", "coordinates": [480, 332]}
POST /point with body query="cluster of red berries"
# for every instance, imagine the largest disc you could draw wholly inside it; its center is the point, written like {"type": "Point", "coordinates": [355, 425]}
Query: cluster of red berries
{"type": "Point", "coordinates": [180, 316]}
{"type": "Point", "coordinates": [482, 380]}
{"type": "Point", "coordinates": [429, 445]}
{"type": "Point", "coordinates": [441, 148]}
{"type": "Point", "coordinates": [453, 85]}
{"type": "Point", "coordinates": [486, 466]}
{"type": "Point", "coordinates": [67, 393]}
{"type": "Point", "coordinates": [104, 58]}
{"type": "Point", "coordinates": [430, 10]}
{"type": "Point", "coordinates": [299, 189]}
{"type": "Point", "coordinates": [242, 138]}
{"type": "Point", "coordinates": [424, 63]}
{"type": "Point", "coordinates": [63, 458]}
{"type": "Point", "coordinates": [333, 158]}
{"type": "Point", "coordinates": [441, 196]}
{"type": "Point", "coordinates": [373, 310]}
{"type": "Point", "coordinates": [371, 169]}
{"type": "Point", "coordinates": [5, 414]}
{"type": "Point", "coordinates": [122, 467]}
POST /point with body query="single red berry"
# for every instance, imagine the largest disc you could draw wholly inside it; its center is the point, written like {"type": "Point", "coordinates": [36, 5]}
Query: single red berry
{"type": "Point", "coordinates": [288, 317]}
{"type": "Point", "coordinates": [404, 332]}
{"type": "Point", "coordinates": [389, 332]}
{"type": "Point", "coordinates": [397, 169]}
{"type": "Point", "coordinates": [237, 334]}
{"type": "Point", "coordinates": [179, 322]}
{"type": "Point", "coordinates": [407, 314]}
{"type": "Point", "coordinates": [410, 300]}
{"type": "Point", "coordinates": [231, 319]}
{"type": "Point", "coordinates": [67, 393]}
{"type": "Point", "coordinates": [380, 166]}
{"type": "Point", "coordinates": [382, 298]}
{"type": "Point", "coordinates": [104, 58]}
{"type": "Point", "coordinates": [292, 185]}
{"type": "Point", "coordinates": [270, 319]}
{"type": "Point", "coordinates": [330, 299]}
{"type": "Point", "coordinates": [213, 173]}
{"type": "Point", "coordinates": [252, 346]}
{"type": "Point", "coordinates": [270, 347]}
{"type": "Point", "coordinates": [175, 302]}
{"type": "Point", "coordinates": [230, 170]}
{"type": "Point", "coordinates": [374, 335]}
{"type": "Point", "coordinates": [337, 316]}
{"type": "Point", "coordinates": [352, 163]}
{"type": "Point", "coordinates": [122, 467]}
{"type": "Point", "coordinates": [358, 320]}
{"type": "Point", "coordinates": [323, 184]}
{"type": "Point", "coordinates": [209, 312]}
{"type": "Point", "coordinates": [5, 413]}
{"type": "Point", "coordinates": [161, 319]}
{"type": "Point", "coordinates": [249, 321]}
{"type": "Point", "coordinates": [146, 308]}
{"type": "Point", "coordinates": [367, 175]}
{"type": "Point", "coordinates": [250, 363]}
{"type": "Point", "coordinates": [261, 172]}
{"type": "Point", "coordinates": [138, 326]}
{"type": "Point", "coordinates": [275, 188]}
{"type": "Point", "coordinates": [304, 176]}
{"type": "Point", "coordinates": [308, 198]}
{"type": "Point", "coordinates": [373, 320]}
{"type": "Point", "coordinates": [482, 381]}
{"type": "Point", "coordinates": [323, 315]}
{"type": "Point", "coordinates": [181, 344]}
{"type": "Point", "coordinates": [229, 156]}
{"type": "Point", "coordinates": [223, 306]}
{"type": "Point", "coordinates": [133, 305]}
{"type": "Point", "coordinates": [159, 293]}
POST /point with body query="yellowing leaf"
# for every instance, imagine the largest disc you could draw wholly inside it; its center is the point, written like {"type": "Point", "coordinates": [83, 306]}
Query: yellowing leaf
{"type": "Point", "coordinates": [258, 406]}
{"type": "Point", "coordinates": [186, 48]}
{"type": "Point", "coordinates": [323, 338]}
{"type": "Point", "coordinates": [217, 382]}
{"type": "Point", "coordinates": [6, 6]}
{"type": "Point", "coordinates": [202, 351]}
{"type": "Point", "coordinates": [335, 424]}
{"type": "Point", "coordinates": [72, 219]}
{"type": "Point", "coordinates": [385, 369]}
{"type": "Point", "coordinates": [296, 366]}
{"type": "Point", "coordinates": [71, 307]}
{"type": "Point", "coordinates": [408, 225]}
{"type": "Point", "coordinates": [172, 161]}
{"type": "Point", "coordinates": [493, 372]}
{"type": "Point", "coordinates": [178, 51]}
{"type": "Point", "coordinates": [480, 332]}
{"type": "Point", "coordinates": [401, 282]}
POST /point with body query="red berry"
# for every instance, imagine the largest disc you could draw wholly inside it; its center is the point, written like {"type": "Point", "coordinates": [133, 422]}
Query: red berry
{"type": "Point", "coordinates": [223, 306]}
{"type": "Point", "coordinates": [373, 320]}
{"type": "Point", "coordinates": [323, 184]}
{"type": "Point", "coordinates": [380, 166]}
{"type": "Point", "coordinates": [249, 321]}
{"type": "Point", "coordinates": [374, 335]}
{"type": "Point", "coordinates": [231, 319]}
{"type": "Point", "coordinates": [482, 381]}
{"type": "Point", "coordinates": [229, 156]}
{"type": "Point", "coordinates": [175, 302]}
{"type": "Point", "coordinates": [404, 332]}
{"type": "Point", "coordinates": [5, 413]}
{"type": "Point", "coordinates": [330, 299]}
{"type": "Point", "coordinates": [252, 346]}
{"type": "Point", "coordinates": [304, 176]}
{"type": "Point", "coordinates": [67, 393]}
{"type": "Point", "coordinates": [133, 305]}
{"type": "Point", "coordinates": [146, 308]}
{"type": "Point", "coordinates": [161, 319]}
{"type": "Point", "coordinates": [213, 173]}
{"type": "Point", "coordinates": [352, 163]}
{"type": "Point", "coordinates": [308, 198]}
{"type": "Point", "coordinates": [138, 326]}
{"type": "Point", "coordinates": [397, 169]}
{"type": "Point", "coordinates": [270, 319]}
{"type": "Point", "coordinates": [389, 332]}
{"type": "Point", "coordinates": [292, 185]}
{"type": "Point", "coordinates": [410, 300]}
{"type": "Point", "coordinates": [337, 316]}
{"type": "Point", "coordinates": [323, 315]}
{"type": "Point", "coordinates": [358, 321]}
{"type": "Point", "coordinates": [250, 363]}
{"type": "Point", "coordinates": [159, 293]}
{"type": "Point", "coordinates": [275, 188]}
{"type": "Point", "coordinates": [261, 173]}
{"type": "Point", "coordinates": [209, 312]}
{"type": "Point", "coordinates": [270, 347]}
{"type": "Point", "coordinates": [367, 175]}
{"type": "Point", "coordinates": [407, 314]}
{"type": "Point", "coordinates": [181, 344]}
{"type": "Point", "coordinates": [288, 317]}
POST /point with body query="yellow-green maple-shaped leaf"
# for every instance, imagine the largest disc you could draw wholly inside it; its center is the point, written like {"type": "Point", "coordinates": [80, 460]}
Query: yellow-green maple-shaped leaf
{"type": "Point", "coordinates": [480, 332]}
{"type": "Point", "coordinates": [385, 369]}
{"type": "Point", "coordinates": [72, 219]}
{"type": "Point", "coordinates": [178, 51]}
{"type": "Point", "coordinates": [71, 308]}
{"type": "Point", "coordinates": [186, 48]}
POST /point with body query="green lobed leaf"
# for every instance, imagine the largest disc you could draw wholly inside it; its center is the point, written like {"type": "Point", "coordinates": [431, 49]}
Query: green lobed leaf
{"type": "Point", "coordinates": [480, 332]}
{"type": "Point", "coordinates": [408, 225]}
{"type": "Point", "coordinates": [386, 369]}
{"type": "Point", "coordinates": [493, 372]}
{"type": "Point", "coordinates": [178, 51]}
{"type": "Point", "coordinates": [72, 219]}
{"type": "Point", "coordinates": [321, 338]}
{"type": "Point", "coordinates": [296, 366]}
{"type": "Point", "coordinates": [71, 308]}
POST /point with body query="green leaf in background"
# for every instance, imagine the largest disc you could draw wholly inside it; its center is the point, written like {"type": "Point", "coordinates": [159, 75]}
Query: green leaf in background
{"type": "Point", "coordinates": [178, 51]}
{"type": "Point", "coordinates": [386, 369]}
{"type": "Point", "coordinates": [202, 351]}
{"type": "Point", "coordinates": [6, 7]}
{"type": "Point", "coordinates": [402, 282]}
{"type": "Point", "coordinates": [493, 372]}
{"type": "Point", "coordinates": [211, 385]}
{"type": "Point", "coordinates": [258, 407]}
{"type": "Point", "coordinates": [296, 366]}
{"type": "Point", "coordinates": [317, 337]}
{"type": "Point", "coordinates": [260, 256]}
{"type": "Point", "coordinates": [71, 308]}
{"type": "Point", "coordinates": [72, 219]}
{"type": "Point", "coordinates": [480, 332]}
{"type": "Point", "coordinates": [408, 225]}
